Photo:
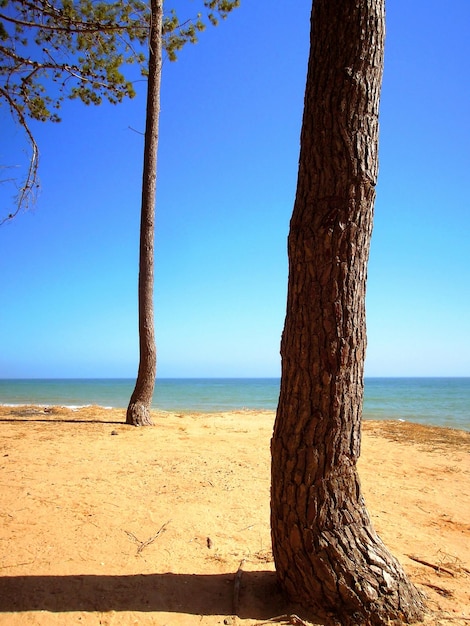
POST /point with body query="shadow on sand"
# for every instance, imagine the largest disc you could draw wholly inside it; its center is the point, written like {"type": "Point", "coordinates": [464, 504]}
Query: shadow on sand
{"type": "Point", "coordinates": [197, 594]}
{"type": "Point", "coordinates": [46, 420]}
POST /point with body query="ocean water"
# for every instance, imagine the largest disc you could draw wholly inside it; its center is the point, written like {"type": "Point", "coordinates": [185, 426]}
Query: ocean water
{"type": "Point", "coordinates": [433, 401]}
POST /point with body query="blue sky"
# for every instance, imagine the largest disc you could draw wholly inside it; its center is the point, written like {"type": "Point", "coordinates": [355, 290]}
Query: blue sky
{"type": "Point", "coordinates": [229, 143]}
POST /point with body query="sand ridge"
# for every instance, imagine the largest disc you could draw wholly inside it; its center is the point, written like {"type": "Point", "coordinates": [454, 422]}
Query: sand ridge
{"type": "Point", "coordinates": [102, 523]}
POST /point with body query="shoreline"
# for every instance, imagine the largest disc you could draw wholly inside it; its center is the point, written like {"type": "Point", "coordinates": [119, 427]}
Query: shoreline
{"type": "Point", "coordinates": [43, 408]}
{"type": "Point", "coordinates": [435, 401]}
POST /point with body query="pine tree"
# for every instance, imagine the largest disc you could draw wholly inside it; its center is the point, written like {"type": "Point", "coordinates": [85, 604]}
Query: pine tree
{"type": "Point", "coordinates": [55, 50]}
{"type": "Point", "coordinates": [328, 556]}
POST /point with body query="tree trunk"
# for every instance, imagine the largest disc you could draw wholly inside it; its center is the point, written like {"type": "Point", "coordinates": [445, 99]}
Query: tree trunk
{"type": "Point", "coordinates": [138, 411]}
{"type": "Point", "coordinates": [328, 557]}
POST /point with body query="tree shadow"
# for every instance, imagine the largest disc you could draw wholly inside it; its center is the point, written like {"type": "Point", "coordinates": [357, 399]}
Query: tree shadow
{"type": "Point", "coordinates": [60, 420]}
{"type": "Point", "coordinates": [198, 594]}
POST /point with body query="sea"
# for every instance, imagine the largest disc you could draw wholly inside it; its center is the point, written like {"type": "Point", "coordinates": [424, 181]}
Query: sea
{"type": "Point", "coordinates": [431, 401]}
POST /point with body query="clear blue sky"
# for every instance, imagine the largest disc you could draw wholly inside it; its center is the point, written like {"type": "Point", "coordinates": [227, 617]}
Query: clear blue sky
{"type": "Point", "coordinates": [229, 143]}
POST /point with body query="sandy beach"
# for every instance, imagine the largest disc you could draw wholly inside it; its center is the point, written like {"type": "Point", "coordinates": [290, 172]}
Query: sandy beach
{"type": "Point", "coordinates": [105, 524]}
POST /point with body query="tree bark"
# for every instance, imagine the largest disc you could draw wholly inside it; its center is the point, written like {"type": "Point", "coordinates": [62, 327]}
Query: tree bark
{"type": "Point", "coordinates": [138, 411]}
{"type": "Point", "coordinates": [328, 556]}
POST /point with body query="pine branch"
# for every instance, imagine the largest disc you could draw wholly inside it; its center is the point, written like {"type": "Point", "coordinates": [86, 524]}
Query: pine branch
{"type": "Point", "coordinates": [31, 181]}
{"type": "Point", "coordinates": [75, 26]}
{"type": "Point", "coordinates": [37, 65]}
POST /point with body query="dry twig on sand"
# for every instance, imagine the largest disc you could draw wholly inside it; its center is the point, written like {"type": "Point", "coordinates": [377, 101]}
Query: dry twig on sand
{"type": "Point", "coordinates": [293, 619]}
{"type": "Point", "coordinates": [446, 593]}
{"type": "Point", "coordinates": [147, 542]}
{"type": "Point", "coordinates": [437, 568]}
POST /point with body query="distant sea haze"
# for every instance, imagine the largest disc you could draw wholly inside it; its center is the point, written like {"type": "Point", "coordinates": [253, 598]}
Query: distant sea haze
{"type": "Point", "coordinates": [433, 401]}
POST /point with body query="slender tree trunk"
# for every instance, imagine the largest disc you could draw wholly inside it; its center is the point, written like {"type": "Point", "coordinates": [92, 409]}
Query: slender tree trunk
{"type": "Point", "coordinates": [138, 411]}
{"type": "Point", "coordinates": [327, 554]}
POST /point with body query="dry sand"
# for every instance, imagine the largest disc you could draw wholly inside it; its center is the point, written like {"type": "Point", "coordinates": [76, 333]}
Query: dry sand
{"type": "Point", "coordinates": [102, 523]}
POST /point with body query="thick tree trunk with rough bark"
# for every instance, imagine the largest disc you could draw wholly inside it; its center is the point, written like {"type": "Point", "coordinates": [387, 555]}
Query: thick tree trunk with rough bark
{"type": "Point", "coordinates": [327, 554]}
{"type": "Point", "coordinates": [138, 411]}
